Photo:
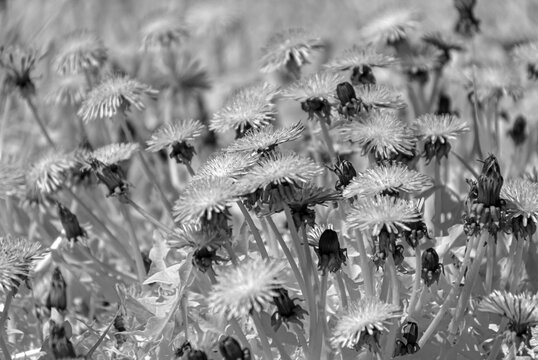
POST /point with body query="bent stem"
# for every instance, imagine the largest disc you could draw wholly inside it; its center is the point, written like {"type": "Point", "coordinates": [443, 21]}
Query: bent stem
{"type": "Point", "coordinates": [39, 121]}
{"type": "Point", "coordinates": [140, 268]}
{"type": "Point", "coordinates": [254, 230]}
{"type": "Point", "coordinates": [3, 320]}
{"type": "Point", "coordinates": [342, 288]}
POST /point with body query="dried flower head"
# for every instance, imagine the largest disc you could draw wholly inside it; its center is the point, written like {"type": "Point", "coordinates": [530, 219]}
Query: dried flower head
{"type": "Point", "coordinates": [520, 310]}
{"type": "Point", "coordinates": [383, 213]}
{"type": "Point", "coordinates": [382, 134]}
{"type": "Point", "coordinates": [80, 51]}
{"type": "Point", "coordinates": [162, 30]}
{"type": "Point", "coordinates": [18, 64]}
{"type": "Point", "coordinates": [248, 287]}
{"type": "Point", "coordinates": [360, 57]}
{"type": "Point", "coordinates": [379, 96]}
{"type": "Point", "coordinates": [290, 50]}
{"type": "Point", "coordinates": [521, 196]}
{"type": "Point", "coordinates": [249, 107]}
{"type": "Point", "coordinates": [177, 137]}
{"type": "Point", "coordinates": [12, 180]}
{"type": "Point", "coordinates": [73, 230]}
{"type": "Point", "coordinates": [68, 90]}
{"type": "Point", "coordinates": [518, 132]}
{"type": "Point", "coordinates": [390, 27]}
{"type": "Point", "coordinates": [114, 94]}
{"type": "Point", "coordinates": [527, 54]}
{"type": "Point", "coordinates": [230, 349]}
{"type": "Point", "coordinates": [50, 172]}
{"type": "Point", "coordinates": [17, 256]}
{"type": "Point", "coordinates": [57, 296]}
{"type": "Point", "coordinates": [227, 164]}
{"type": "Point", "coordinates": [362, 324]}
{"type": "Point", "coordinates": [112, 176]}
{"type": "Point", "coordinates": [266, 139]}
{"type": "Point", "coordinates": [204, 198]}
{"type": "Point", "coordinates": [387, 179]}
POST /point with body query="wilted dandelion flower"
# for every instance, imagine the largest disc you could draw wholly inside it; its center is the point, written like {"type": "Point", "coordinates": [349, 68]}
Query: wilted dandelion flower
{"type": "Point", "coordinates": [17, 256]}
{"type": "Point", "coordinates": [287, 311]}
{"type": "Point", "coordinates": [250, 107]}
{"type": "Point", "coordinates": [205, 198]}
{"type": "Point", "coordinates": [436, 131]}
{"type": "Point", "coordinates": [111, 176]}
{"type": "Point", "coordinates": [520, 310]}
{"type": "Point", "coordinates": [387, 179]}
{"type": "Point", "coordinates": [250, 286]}
{"type": "Point", "coordinates": [383, 213]}
{"type": "Point", "coordinates": [68, 90]}
{"type": "Point", "coordinates": [73, 230]}
{"type": "Point", "coordinates": [290, 50]}
{"type": "Point", "coordinates": [177, 138]}
{"type": "Point", "coordinates": [527, 54]}
{"type": "Point", "coordinates": [362, 324]}
{"type": "Point", "coordinates": [521, 196]}
{"type": "Point", "coordinates": [379, 96]}
{"type": "Point", "coordinates": [266, 139]}
{"type": "Point", "coordinates": [12, 180]}
{"type": "Point", "coordinates": [227, 164]}
{"type": "Point", "coordinates": [382, 134]}
{"type": "Point", "coordinates": [50, 172]}
{"type": "Point", "coordinates": [113, 154]}
{"type": "Point", "coordinates": [305, 198]}
{"type": "Point", "coordinates": [115, 94]}
{"type": "Point", "coordinates": [390, 27]}
{"type": "Point", "coordinates": [162, 30]}
{"type": "Point", "coordinates": [18, 63]}
{"type": "Point", "coordinates": [360, 57]}
{"type": "Point", "coordinates": [80, 51]}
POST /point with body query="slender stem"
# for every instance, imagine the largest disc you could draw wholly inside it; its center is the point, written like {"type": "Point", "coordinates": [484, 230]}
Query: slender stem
{"type": "Point", "coordinates": [309, 261]}
{"type": "Point", "coordinates": [490, 263]}
{"type": "Point", "coordinates": [365, 266]}
{"type": "Point", "coordinates": [288, 255]}
{"type": "Point", "coordinates": [496, 347]}
{"type": "Point", "coordinates": [342, 287]}
{"type": "Point", "coordinates": [266, 347]}
{"type": "Point", "coordinates": [415, 101]}
{"type": "Point", "coordinates": [148, 216]}
{"type": "Point", "coordinates": [416, 283]}
{"type": "Point", "coordinates": [518, 259]}
{"type": "Point", "coordinates": [316, 345]}
{"type": "Point", "coordinates": [391, 338]}
{"type": "Point", "coordinates": [328, 140]}
{"type": "Point", "coordinates": [39, 121]}
{"type": "Point", "coordinates": [476, 130]}
{"type": "Point", "coordinates": [3, 319]}
{"type": "Point", "coordinates": [3, 121]}
{"type": "Point", "coordinates": [140, 269]}
{"type": "Point", "coordinates": [438, 200]}
{"type": "Point", "coordinates": [149, 174]}
{"type": "Point", "coordinates": [231, 253]}
{"type": "Point", "coordinates": [300, 337]}
{"type": "Point", "coordinates": [190, 169]}
{"type": "Point", "coordinates": [254, 230]}
{"type": "Point", "coordinates": [434, 95]}
{"type": "Point", "coordinates": [465, 164]}
{"type": "Point", "coordinates": [3, 347]}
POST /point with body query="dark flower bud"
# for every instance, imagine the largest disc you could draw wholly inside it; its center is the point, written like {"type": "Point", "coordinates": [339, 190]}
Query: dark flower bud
{"type": "Point", "coordinates": [182, 152]}
{"type": "Point", "coordinates": [400, 349]}
{"type": "Point", "coordinates": [521, 230]}
{"type": "Point", "coordinates": [60, 345]}
{"type": "Point", "coordinates": [317, 106]}
{"type": "Point", "coordinates": [242, 130]}
{"type": "Point", "coordinates": [431, 268]}
{"type": "Point", "coordinates": [204, 257]}
{"type": "Point", "coordinates": [387, 241]}
{"type": "Point", "coordinates": [345, 172]}
{"type": "Point", "coordinates": [410, 332]}
{"type": "Point", "coordinates": [57, 297]}
{"type": "Point", "coordinates": [345, 92]}
{"type": "Point", "coordinates": [532, 71]}
{"type": "Point", "coordinates": [146, 259]}
{"type": "Point", "coordinates": [119, 326]}
{"type": "Point", "coordinates": [362, 75]}
{"type": "Point", "coordinates": [72, 228]}
{"type": "Point", "coordinates": [330, 255]}
{"type": "Point", "coordinates": [287, 310]}
{"type": "Point", "coordinates": [112, 176]}
{"type": "Point", "coordinates": [518, 131]}
{"type": "Point", "coordinates": [398, 255]}
{"type": "Point", "coordinates": [467, 24]}
{"type": "Point", "coordinates": [183, 349]}
{"type": "Point", "coordinates": [231, 350]}
{"type": "Point", "coordinates": [436, 149]}
{"type": "Point", "coordinates": [418, 74]}
{"type": "Point", "coordinates": [443, 105]}
{"type": "Point", "coordinates": [196, 355]}
{"type": "Point", "coordinates": [490, 182]}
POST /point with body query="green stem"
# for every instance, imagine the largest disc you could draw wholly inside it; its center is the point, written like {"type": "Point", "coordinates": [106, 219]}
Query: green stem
{"type": "Point", "coordinates": [300, 337]}
{"type": "Point", "coordinates": [316, 346]}
{"type": "Point", "coordinates": [39, 121]}
{"type": "Point", "coordinates": [140, 269]}
{"type": "Point", "coordinates": [496, 347]}
{"type": "Point", "coordinates": [518, 260]}
{"type": "Point", "coordinates": [3, 121]}
{"type": "Point", "coordinates": [365, 265]}
{"type": "Point", "coordinates": [148, 216]}
{"type": "Point", "coordinates": [254, 230]}
{"type": "Point", "coordinates": [342, 287]}
{"type": "Point", "coordinates": [438, 200]}
{"type": "Point", "coordinates": [309, 261]}
{"type": "Point", "coordinates": [435, 90]}
{"type": "Point", "coordinates": [391, 338]}
{"type": "Point", "coordinates": [416, 283]}
{"type": "Point", "coordinates": [190, 169]}
{"type": "Point", "coordinates": [3, 320]}
{"type": "Point", "coordinates": [328, 140]}
{"type": "Point", "coordinates": [490, 262]}
{"type": "Point", "coordinates": [266, 347]}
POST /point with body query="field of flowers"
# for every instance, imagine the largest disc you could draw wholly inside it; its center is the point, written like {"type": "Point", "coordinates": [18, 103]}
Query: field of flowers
{"type": "Point", "coordinates": [240, 180]}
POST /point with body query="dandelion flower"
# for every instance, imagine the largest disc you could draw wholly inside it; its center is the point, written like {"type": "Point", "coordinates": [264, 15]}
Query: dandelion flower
{"type": "Point", "coordinates": [390, 27]}
{"type": "Point", "coordinates": [467, 24]}
{"type": "Point", "coordinates": [359, 57]}
{"type": "Point", "coordinates": [265, 139]}
{"type": "Point", "coordinates": [205, 197]}
{"type": "Point", "coordinates": [113, 154]}
{"type": "Point", "coordinates": [177, 138]}
{"type": "Point", "coordinates": [527, 54]}
{"type": "Point", "coordinates": [17, 256]}
{"type": "Point", "coordinates": [521, 196]}
{"type": "Point", "coordinates": [378, 96]}
{"type": "Point", "coordinates": [382, 134]}
{"type": "Point", "coordinates": [250, 107]}
{"type": "Point", "coordinates": [12, 180]}
{"type": "Point", "coordinates": [227, 164]}
{"type": "Point", "coordinates": [50, 172]}
{"type": "Point", "coordinates": [194, 235]}
{"type": "Point", "coordinates": [162, 30]}
{"type": "Point", "coordinates": [68, 90]}
{"type": "Point", "coordinates": [250, 286]}
{"type": "Point", "coordinates": [18, 64]}
{"type": "Point", "coordinates": [493, 81]}
{"type": "Point", "coordinates": [80, 51]}
{"type": "Point", "coordinates": [520, 310]}
{"type": "Point", "coordinates": [383, 213]}
{"type": "Point", "coordinates": [387, 179]}
{"type": "Point", "coordinates": [290, 49]}
{"type": "Point", "coordinates": [182, 74]}
{"type": "Point", "coordinates": [115, 94]}
{"type": "Point", "coordinates": [362, 324]}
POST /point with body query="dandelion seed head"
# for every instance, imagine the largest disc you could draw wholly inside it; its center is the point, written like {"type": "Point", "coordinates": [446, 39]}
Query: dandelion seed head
{"type": "Point", "coordinates": [364, 317]}
{"type": "Point", "coordinates": [527, 53]}
{"type": "Point", "coordinates": [520, 309]}
{"type": "Point", "coordinates": [292, 45]}
{"type": "Point", "coordinates": [521, 196]}
{"type": "Point", "coordinates": [387, 178]}
{"type": "Point", "coordinates": [114, 94]}
{"type": "Point", "coordinates": [178, 132]}
{"type": "Point", "coordinates": [68, 90]}
{"type": "Point", "coordinates": [17, 256]}
{"type": "Point", "coordinates": [318, 86]}
{"type": "Point", "coordinates": [383, 212]}
{"type": "Point", "coordinates": [250, 286]}
{"type": "Point", "coordinates": [444, 127]}
{"type": "Point", "coordinates": [360, 56]}
{"type": "Point", "coordinates": [251, 107]}
{"type": "Point", "coordinates": [80, 51]}
{"type": "Point", "coordinates": [227, 164]}
{"type": "Point", "coordinates": [162, 30]}
{"type": "Point", "coordinates": [49, 173]}
{"type": "Point", "coordinates": [265, 139]}
{"type": "Point", "coordinates": [390, 27]}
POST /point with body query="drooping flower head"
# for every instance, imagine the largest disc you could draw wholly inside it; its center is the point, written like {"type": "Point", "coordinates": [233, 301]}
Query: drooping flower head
{"type": "Point", "coordinates": [227, 164]}
{"type": "Point", "coordinates": [57, 296]}
{"type": "Point", "coordinates": [390, 27]}
{"type": "Point", "coordinates": [290, 50]}
{"type": "Point", "coordinates": [431, 267]}
{"type": "Point", "coordinates": [230, 349]}
{"type": "Point", "coordinates": [80, 51]}
{"type": "Point", "coordinates": [18, 64]}
{"type": "Point", "coordinates": [331, 256]}
{"type": "Point", "coordinates": [387, 179]}
{"type": "Point", "coordinates": [112, 176]}
{"type": "Point", "coordinates": [248, 287]}
{"type": "Point", "coordinates": [177, 137]}
{"type": "Point", "coordinates": [113, 95]}
{"type": "Point", "coordinates": [162, 30]}
{"type": "Point", "coordinates": [518, 132]}
{"type": "Point", "coordinates": [521, 196]}
{"type": "Point", "coordinates": [436, 131]}
{"type": "Point", "coordinates": [250, 107]}
{"type": "Point", "coordinates": [443, 43]}
{"type": "Point", "coordinates": [73, 230]}
{"type": "Point", "coordinates": [362, 324]}
{"type": "Point", "coordinates": [17, 256]}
